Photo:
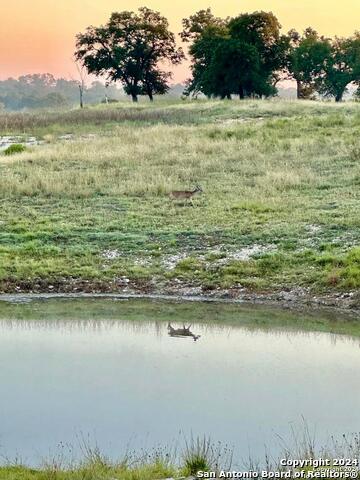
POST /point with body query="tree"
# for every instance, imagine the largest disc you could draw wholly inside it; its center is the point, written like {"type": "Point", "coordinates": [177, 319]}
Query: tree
{"type": "Point", "coordinates": [204, 31]}
{"type": "Point", "coordinates": [234, 68]}
{"type": "Point", "coordinates": [155, 82]}
{"type": "Point", "coordinates": [81, 82]}
{"type": "Point", "coordinates": [38, 81]}
{"type": "Point", "coordinates": [342, 68]}
{"type": "Point", "coordinates": [202, 52]}
{"type": "Point", "coordinates": [195, 25]}
{"type": "Point", "coordinates": [308, 57]}
{"type": "Point", "coordinates": [52, 100]}
{"type": "Point", "coordinates": [129, 49]}
{"type": "Point", "coordinates": [249, 46]}
{"type": "Point", "coordinates": [262, 31]}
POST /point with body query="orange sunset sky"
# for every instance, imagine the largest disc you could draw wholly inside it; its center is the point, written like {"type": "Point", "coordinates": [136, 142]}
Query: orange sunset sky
{"type": "Point", "coordinates": [38, 35]}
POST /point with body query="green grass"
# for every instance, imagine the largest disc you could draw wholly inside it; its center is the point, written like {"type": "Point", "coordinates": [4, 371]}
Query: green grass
{"type": "Point", "coordinates": [280, 206]}
{"type": "Point", "coordinates": [89, 471]}
{"type": "Point", "coordinates": [200, 454]}
{"type": "Point", "coordinates": [14, 149]}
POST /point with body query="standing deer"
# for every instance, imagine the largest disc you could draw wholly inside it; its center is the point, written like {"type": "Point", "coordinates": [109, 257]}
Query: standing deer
{"type": "Point", "coordinates": [185, 194]}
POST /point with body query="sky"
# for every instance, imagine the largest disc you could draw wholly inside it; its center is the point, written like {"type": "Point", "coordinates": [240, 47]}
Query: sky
{"type": "Point", "coordinates": [38, 36]}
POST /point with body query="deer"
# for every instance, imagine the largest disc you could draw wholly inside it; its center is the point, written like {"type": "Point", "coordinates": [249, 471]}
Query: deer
{"type": "Point", "coordinates": [182, 332]}
{"type": "Point", "coordinates": [185, 194]}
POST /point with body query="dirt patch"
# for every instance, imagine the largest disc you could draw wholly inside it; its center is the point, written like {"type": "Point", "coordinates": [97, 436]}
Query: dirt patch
{"type": "Point", "coordinates": [170, 261]}
{"type": "Point", "coordinates": [111, 254]}
{"type": "Point", "coordinates": [224, 255]}
{"type": "Point", "coordinates": [246, 253]}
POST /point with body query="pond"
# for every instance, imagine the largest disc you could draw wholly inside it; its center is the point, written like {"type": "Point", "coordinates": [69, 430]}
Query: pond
{"type": "Point", "coordinates": [7, 141]}
{"type": "Point", "coordinates": [107, 370]}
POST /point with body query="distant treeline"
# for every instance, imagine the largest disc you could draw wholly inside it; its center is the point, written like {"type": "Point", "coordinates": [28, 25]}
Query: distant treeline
{"type": "Point", "coordinates": [246, 55]}
{"type": "Point", "coordinates": [45, 91]}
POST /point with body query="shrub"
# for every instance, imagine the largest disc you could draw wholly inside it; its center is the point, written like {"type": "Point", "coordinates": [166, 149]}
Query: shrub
{"type": "Point", "coordinates": [14, 149]}
{"type": "Point", "coordinates": [201, 454]}
{"type": "Point", "coordinates": [189, 264]}
{"type": "Point", "coordinates": [197, 456]}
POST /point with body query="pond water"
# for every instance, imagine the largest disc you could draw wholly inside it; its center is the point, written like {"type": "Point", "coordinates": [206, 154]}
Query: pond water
{"type": "Point", "coordinates": [7, 141]}
{"type": "Point", "coordinates": [108, 371]}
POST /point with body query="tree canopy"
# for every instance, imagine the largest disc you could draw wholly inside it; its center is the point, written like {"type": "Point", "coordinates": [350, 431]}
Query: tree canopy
{"type": "Point", "coordinates": [247, 56]}
{"type": "Point", "coordinates": [129, 49]}
{"type": "Point", "coordinates": [308, 56]}
{"type": "Point", "coordinates": [342, 67]}
{"type": "Point", "coordinates": [249, 47]}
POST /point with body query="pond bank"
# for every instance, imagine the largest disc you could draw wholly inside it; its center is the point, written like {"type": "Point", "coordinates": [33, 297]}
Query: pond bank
{"type": "Point", "coordinates": [347, 304]}
{"type": "Point", "coordinates": [200, 455]}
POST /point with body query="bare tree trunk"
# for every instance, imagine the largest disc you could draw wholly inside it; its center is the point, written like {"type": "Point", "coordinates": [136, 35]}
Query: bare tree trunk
{"type": "Point", "coordinates": [339, 96]}
{"type": "Point", "coordinates": [298, 89]}
{"type": "Point", "coordinates": [81, 81]}
{"type": "Point", "coordinates": [106, 93]}
{"type": "Point", "coordinates": [81, 91]}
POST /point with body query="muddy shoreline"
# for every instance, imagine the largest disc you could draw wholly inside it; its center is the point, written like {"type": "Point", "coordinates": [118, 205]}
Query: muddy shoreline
{"type": "Point", "coordinates": [297, 299]}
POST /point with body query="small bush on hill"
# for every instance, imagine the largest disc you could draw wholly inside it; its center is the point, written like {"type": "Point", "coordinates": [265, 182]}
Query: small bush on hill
{"type": "Point", "coordinates": [15, 148]}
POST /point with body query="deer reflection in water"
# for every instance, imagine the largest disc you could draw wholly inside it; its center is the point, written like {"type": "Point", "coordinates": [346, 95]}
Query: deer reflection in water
{"type": "Point", "coordinates": [182, 332]}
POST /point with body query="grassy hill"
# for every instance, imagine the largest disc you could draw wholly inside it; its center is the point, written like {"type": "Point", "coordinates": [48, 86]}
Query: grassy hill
{"type": "Point", "coordinates": [88, 210]}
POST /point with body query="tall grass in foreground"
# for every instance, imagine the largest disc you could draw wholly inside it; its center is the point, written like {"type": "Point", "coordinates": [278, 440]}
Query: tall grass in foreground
{"type": "Point", "coordinates": [197, 454]}
{"type": "Point", "coordinates": [201, 454]}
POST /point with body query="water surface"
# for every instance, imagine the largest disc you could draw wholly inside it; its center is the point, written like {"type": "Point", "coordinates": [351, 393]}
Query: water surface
{"type": "Point", "coordinates": [109, 370]}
